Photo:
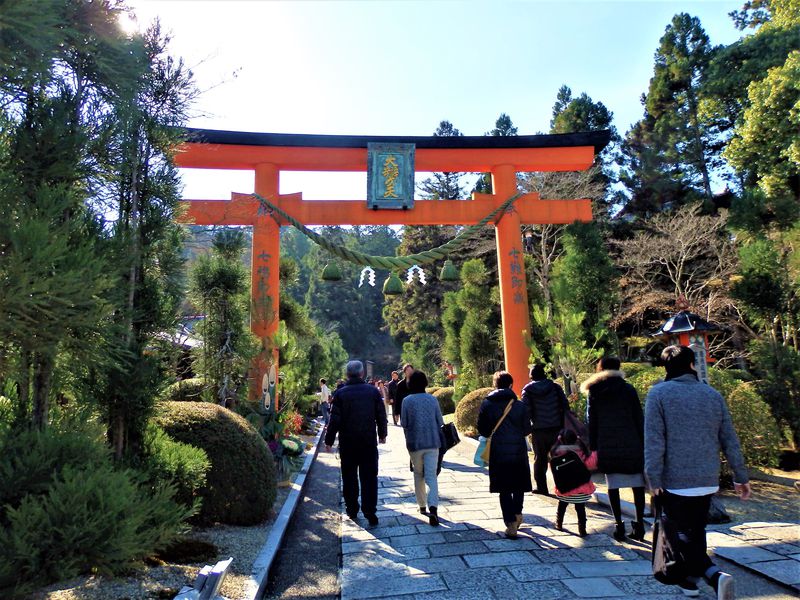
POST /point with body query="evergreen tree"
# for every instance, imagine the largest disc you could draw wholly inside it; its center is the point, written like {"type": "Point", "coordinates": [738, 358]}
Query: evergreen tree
{"type": "Point", "coordinates": [443, 186]}
{"type": "Point", "coordinates": [503, 126]}
{"type": "Point", "coordinates": [669, 155]}
{"type": "Point", "coordinates": [220, 288]}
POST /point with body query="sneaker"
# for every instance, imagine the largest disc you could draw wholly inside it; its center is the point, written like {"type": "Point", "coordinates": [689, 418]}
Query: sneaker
{"type": "Point", "coordinates": [372, 520]}
{"type": "Point", "coordinates": [723, 584]}
{"type": "Point", "coordinates": [689, 588]}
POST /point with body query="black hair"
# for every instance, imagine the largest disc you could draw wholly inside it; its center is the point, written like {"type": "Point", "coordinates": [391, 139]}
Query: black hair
{"type": "Point", "coordinates": [537, 372]}
{"type": "Point", "coordinates": [567, 437]}
{"type": "Point", "coordinates": [502, 380]}
{"type": "Point", "coordinates": [322, 381]}
{"type": "Point", "coordinates": [678, 360]}
{"type": "Point", "coordinates": [609, 363]}
{"type": "Point", "coordinates": [417, 382]}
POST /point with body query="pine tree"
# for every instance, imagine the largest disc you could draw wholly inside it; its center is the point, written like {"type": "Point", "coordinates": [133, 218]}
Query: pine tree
{"type": "Point", "coordinates": [443, 186]}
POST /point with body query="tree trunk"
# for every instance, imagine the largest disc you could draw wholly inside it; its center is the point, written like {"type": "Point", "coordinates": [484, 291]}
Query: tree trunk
{"type": "Point", "coordinates": [42, 378]}
{"type": "Point", "coordinates": [24, 385]}
{"type": "Point", "coordinates": [701, 159]}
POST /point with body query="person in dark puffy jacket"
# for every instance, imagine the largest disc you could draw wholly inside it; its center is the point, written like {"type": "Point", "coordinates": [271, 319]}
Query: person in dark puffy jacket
{"type": "Point", "coordinates": [509, 469]}
{"type": "Point", "coordinates": [547, 405]}
{"type": "Point", "coordinates": [358, 416]}
{"type": "Point", "coordinates": [616, 432]}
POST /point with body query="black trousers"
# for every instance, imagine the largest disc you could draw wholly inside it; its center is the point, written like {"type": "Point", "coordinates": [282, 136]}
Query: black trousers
{"type": "Point", "coordinates": [543, 440]}
{"type": "Point", "coordinates": [360, 464]}
{"type": "Point", "coordinates": [689, 515]}
{"type": "Point", "coordinates": [580, 509]}
{"type": "Point", "coordinates": [511, 505]}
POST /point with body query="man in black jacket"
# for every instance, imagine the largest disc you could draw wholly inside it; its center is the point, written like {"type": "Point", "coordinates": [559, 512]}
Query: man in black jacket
{"type": "Point", "coordinates": [402, 391]}
{"type": "Point", "coordinates": [356, 413]}
{"type": "Point", "coordinates": [547, 404]}
{"type": "Point", "coordinates": [391, 391]}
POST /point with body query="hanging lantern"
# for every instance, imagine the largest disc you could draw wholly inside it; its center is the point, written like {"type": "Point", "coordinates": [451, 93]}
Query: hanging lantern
{"type": "Point", "coordinates": [392, 286]}
{"type": "Point", "coordinates": [449, 272]}
{"type": "Point", "coordinates": [331, 272]}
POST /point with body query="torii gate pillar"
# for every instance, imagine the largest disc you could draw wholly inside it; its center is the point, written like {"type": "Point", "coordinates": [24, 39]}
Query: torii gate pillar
{"type": "Point", "coordinates": [511, 273]}
{"type": "Point", "coordinates": [265, 273]}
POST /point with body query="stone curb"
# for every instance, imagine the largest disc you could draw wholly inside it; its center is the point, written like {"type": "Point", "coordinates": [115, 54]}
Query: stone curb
{"type": "Point", "coordinates": [256, 586]}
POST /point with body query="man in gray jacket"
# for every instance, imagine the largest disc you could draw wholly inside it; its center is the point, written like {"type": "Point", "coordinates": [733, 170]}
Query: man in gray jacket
{"type": "Point", "coordinates": [687, 423]}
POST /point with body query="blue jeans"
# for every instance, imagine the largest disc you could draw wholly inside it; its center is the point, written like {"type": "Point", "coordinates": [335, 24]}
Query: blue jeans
{"type": "Point", "coordinates": [425, 462]}
{"type": "Point", "coordinates": [326, 412]}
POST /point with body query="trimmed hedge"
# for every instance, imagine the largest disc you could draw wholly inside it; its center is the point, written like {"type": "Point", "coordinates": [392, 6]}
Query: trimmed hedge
{"type": "Point", "coordinates": [445, 399]}
{"type": "Point", "coordinates": [186, 390]}
{"type": "Point", "coordinates": [757, 429]}
{"type": "Point", "coordinates": [241, 484]}
{"type": "Point", "coordinates": [182, 465]}
{"type": "Point", "coordinates": [467, 411]}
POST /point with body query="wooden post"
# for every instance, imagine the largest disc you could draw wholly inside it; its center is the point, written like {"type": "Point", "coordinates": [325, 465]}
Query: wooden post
{"type": "Point", "coordinates": [511, 273]}
{"type": "Point", "coordinates": [264, 316]}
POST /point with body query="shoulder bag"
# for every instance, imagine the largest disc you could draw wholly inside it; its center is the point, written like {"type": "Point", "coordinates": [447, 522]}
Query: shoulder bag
{"type": "Point", "coordinates": [487, 450]}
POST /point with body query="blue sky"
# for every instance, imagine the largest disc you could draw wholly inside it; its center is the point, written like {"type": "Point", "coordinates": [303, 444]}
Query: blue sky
{"type": "Point", "coordinates": [398, 68]}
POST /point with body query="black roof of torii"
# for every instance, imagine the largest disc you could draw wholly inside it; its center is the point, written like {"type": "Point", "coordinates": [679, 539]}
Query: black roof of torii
{"type": "Point", "coordinates": [596, 139]}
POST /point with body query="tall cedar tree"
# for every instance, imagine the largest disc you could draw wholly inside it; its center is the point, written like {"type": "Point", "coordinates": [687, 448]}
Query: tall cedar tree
{"type": "Point", "coordinates": [670, 154]}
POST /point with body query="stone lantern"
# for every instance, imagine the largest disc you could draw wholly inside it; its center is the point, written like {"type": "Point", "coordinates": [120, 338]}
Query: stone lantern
{"type": "Point", "coordinates": [685, 328]}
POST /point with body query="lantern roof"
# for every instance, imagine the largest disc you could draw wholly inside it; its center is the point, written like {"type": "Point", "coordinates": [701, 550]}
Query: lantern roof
{"type": "Point", "coordinates": [685, 322]}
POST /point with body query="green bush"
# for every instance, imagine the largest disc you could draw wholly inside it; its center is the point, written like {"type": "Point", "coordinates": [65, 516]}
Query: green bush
{"type": "Point", "coordinates": [30, 461]}
{"type": "Point", "coordinates": [755, 425]}
{"type": "Point", "coordinates": [445, 399]}
{"type": "Point", "coordinates": [644, 380]}
{"type": "Point", "coordinates": [186, 390]}
{"type": "Point", "coordinates": [467, 411]}
{"type": "Point", "coordinates": [241, 484]}
{"type": "Point", "coordinates": [632, 369]}
{"type": "Point", "coordinates": [99, 520]}
{"type": "Point", "coordinates": [184, 466]}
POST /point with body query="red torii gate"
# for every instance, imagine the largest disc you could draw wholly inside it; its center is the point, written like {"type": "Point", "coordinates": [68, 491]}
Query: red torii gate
{"type": "Point", "coordinates": [267, 154]}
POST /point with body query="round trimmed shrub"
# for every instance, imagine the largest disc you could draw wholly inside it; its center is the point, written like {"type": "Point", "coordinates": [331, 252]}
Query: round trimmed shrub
{"type": "Point", "coordinates": [445, 398]}
{"type": "Point", "coordinates": [432, 389]}
{"type": "Point", "coordinates": [755, 425]}
{"type": "Point", "coordinates": [186, 390]}
{"type": "Point", "coordinates": [467, 411]}
{"type": "Point", "coordinates": [241, 484]}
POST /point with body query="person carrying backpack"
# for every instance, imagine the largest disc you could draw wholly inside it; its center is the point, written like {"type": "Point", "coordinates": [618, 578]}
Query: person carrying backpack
{"type": "Point", "coordinates": [571, 464]}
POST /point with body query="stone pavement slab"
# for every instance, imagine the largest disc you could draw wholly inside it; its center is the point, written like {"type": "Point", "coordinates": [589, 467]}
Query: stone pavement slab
{"type": "Point", "coordinates": [468, 557]}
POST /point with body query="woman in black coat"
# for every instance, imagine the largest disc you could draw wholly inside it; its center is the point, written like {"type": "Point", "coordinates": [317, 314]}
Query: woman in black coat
{"type": "Point", "coordinates": [509, 468]}
{"type": "Point", "coordinates": [616, 432]}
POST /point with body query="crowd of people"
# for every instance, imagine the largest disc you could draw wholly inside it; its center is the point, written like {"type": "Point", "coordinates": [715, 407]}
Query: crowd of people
{"type": "Point", "coordinates": [672, 448]}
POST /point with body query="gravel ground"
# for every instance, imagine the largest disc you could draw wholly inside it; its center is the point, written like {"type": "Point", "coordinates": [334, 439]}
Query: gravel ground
{"type": "Point", "coordinates": [163, 582]}
{"type": "Point", "coordinates": [307, 565]}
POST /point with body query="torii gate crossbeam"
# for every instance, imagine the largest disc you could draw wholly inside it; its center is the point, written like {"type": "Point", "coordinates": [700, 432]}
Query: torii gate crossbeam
{"type": "Point", "coordinates": [268, 154]}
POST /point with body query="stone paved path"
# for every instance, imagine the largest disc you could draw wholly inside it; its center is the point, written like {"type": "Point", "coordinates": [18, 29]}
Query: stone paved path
{"type": "Point", "coordinates": [468, 557]}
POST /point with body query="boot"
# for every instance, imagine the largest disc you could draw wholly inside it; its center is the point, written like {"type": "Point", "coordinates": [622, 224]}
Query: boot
{"type": "Point", "coordinates": [582, 528]}
{"type": "Point", "coordinates": [511, 530]}
{"type": "Point", "coordinates": [423, 510]}
{"type": "Point", "coordinates": [619, 532]}
{"type": "Point", "coordinates": [433, 517]}
{"type": "Point", "coordinates": [519, 521]}
{"type": "Point", "coordinates": [559, 523]}
{"type": "Point", "coordinates": [638, 531]}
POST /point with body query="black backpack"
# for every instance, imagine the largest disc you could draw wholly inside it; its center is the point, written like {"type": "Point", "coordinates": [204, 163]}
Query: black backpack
{"type": "Point", "coordinates": [569, 472]}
